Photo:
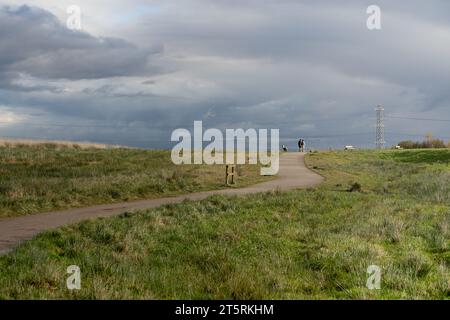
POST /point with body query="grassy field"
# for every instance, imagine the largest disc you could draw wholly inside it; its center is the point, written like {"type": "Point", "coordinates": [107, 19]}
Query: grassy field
{"type": "Point", "coordinates": [45, 177]}
{"type": "Point", "coordinates": [390, 209]}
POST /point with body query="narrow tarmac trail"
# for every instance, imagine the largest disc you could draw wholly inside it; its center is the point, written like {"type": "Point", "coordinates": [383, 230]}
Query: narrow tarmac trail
{"type": "Point", "coordinates": [293, 174]}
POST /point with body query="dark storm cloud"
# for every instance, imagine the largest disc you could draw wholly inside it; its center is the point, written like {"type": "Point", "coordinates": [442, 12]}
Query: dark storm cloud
{"type": "Point", "coordinates": [310, 68]}
{"type": "Point", "coordinates": [36, 46]}
{"type": "Point", "coordinates": [410, 50]}
{"type": "Point", "coordinates": [35, 42]}
{"type": "Point", "coordinates": [295, 64]}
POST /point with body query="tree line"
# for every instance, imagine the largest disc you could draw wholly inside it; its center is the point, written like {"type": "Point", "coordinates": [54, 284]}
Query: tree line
{"type": "Point", "coordinates": [427, 144]}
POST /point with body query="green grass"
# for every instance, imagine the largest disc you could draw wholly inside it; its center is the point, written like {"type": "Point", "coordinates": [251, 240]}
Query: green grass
{"type": "Point", "coordinates": [430, 156]}
{"type": "Point", "coordinates": [46, 177]}
{"type": "Point", "coordinates": [302, 244]}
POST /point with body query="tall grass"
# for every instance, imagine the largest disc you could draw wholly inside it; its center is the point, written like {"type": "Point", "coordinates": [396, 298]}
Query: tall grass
{"type": "Point", "coordinates": [305, 244]}
{"type": "Point", "coordinates": [55, 144]}
{"type": "Point", "coordinates": [44, 177]}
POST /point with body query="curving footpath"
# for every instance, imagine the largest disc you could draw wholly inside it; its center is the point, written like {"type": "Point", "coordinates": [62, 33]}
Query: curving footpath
{"type": "Point", "coordinates": [293, 174]}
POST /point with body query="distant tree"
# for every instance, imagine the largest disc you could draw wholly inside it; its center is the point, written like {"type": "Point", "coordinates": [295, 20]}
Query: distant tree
{"type": "Point", "coordinates": [437, 144]}
{"type": "Point", "coordinates": [428, 144]}
{"type": "Point", "coordinates": [407, 144]}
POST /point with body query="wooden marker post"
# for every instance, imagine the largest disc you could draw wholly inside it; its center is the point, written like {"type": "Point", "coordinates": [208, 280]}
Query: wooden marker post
{"type": "Point", "coordinates": [230, 173]}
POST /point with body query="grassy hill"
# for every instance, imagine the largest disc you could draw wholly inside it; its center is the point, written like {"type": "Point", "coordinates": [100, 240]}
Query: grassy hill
{"type": "Point", "coordinates": [50, 176]}
{"type": "Point", "coordinates": [390, 209]}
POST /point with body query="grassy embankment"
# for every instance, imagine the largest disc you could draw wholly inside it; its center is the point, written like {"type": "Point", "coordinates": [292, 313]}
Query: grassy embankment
{"type": "Point", "coordinates": [390, 209]}
{"type": "Point", "coordinates": [45, 177]}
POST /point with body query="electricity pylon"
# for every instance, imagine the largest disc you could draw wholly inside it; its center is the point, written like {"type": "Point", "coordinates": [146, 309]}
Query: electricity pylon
{"type": "Point", "coordinates": [380, 142]}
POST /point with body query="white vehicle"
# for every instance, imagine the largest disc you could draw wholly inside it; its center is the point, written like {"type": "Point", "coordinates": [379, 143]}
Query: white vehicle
{"type": "Point", "coordinates": [350, 148]}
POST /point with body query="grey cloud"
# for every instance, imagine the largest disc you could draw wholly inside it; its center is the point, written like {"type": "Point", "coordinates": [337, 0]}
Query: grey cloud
{"type": "Point", "coordinates": [409, 54]}
{"type": "Point", "coordinates": [309, 68]}
{"type": "Point", "coordinates": [35, 42]}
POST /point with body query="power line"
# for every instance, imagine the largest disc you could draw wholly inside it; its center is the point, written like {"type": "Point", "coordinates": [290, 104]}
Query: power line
{"type": "Point", "coordinates": [152, 126]}
{"type": "Point", "coordinates": [413, 135]}
{"type": "Point", "coordinates": [418, 119]}
{"type": "Point", "coordinates": [160, 126]}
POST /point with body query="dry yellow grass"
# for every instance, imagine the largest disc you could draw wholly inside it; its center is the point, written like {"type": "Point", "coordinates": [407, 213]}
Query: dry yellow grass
{"type": "Point", "coordinates": [63, 143]}
{"type": "Point", "coordinates": [47, 177]}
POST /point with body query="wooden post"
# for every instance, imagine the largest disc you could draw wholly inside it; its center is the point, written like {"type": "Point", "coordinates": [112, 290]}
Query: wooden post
{"type": "Point", "coordinates": [230, 173]}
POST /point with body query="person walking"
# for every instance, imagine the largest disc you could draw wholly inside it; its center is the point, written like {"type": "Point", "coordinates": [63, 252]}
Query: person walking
{"type": "Point", "coordinates": [301, 144]}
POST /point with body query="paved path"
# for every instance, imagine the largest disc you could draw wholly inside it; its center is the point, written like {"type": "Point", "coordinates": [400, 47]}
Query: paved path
{"type": "Point", "coordinates": [292, 174]}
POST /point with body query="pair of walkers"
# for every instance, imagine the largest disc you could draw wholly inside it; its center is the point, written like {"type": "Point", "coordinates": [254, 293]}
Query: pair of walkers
{"type": "Point", "coordinates": [301, 145]}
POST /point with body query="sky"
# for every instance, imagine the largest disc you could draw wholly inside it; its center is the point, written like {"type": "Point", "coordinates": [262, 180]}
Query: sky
{"type": "Point", "coordinates": [139, 69]}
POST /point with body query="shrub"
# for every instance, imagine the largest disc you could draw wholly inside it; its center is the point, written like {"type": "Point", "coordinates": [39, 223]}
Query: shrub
{"type": "Point", "coordinates": [355, 187]}
{"type": "Point", "coordinates": [433, 143]}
